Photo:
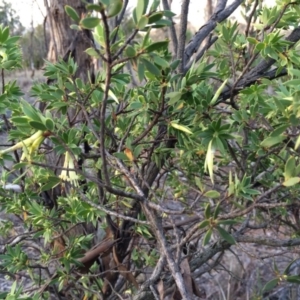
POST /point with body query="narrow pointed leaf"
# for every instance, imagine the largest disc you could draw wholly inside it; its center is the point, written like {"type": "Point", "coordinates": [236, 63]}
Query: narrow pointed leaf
{"type": "Point", "coordinates": [270, 285]}
{"type": "Point", "coordinates": [218, 93]}
{"type": "Point", "coordinates": [225, 235]}
{"type": "Point", "coordinates": [181, 127]}
{"type": "Point", "coordinates": [204, 224]}
{"type": "Point", "coordinates": [272, 141]}
{"type": "Point", "coordinates": [207, 237]}
{"type": "Point", "coordinates": [207, 212]}
{"type": "Point", "coordinates": [157, 46]}
{"type": "Point", "coordinates": [217, 210]}
{"type": "Point", "coordinates": [293, 279]}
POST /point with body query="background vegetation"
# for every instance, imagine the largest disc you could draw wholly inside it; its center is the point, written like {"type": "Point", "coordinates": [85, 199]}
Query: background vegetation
{"type": "Point", "coordinates": [147, 167]}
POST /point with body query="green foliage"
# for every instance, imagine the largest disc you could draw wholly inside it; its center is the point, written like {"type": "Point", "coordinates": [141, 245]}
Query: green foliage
{"type": "Point", "coordinates": [155, 137]}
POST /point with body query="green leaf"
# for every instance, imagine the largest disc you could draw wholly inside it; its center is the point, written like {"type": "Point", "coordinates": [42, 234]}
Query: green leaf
{"type": "Point", "coordinates": [279, 130]}
{"type": "Point", "coordinates": [37, 125]}
{"type": "Point", "coordinates": [134, 17]}
{"type": "Point", "coordinates": [212, 194]}
{"type": "Point", "coordinates": [169, 14]}
{"type": "Point", "coordinates": [289, 168]}
{"type": "Point", "coordinates": [218, 93]}
{"type": "Point", "coordinates": [71, 12]}
{"type": "Point", "coordinates": [142, 23]}
{"type": "Point", "coordinates": [204, 223]}
{"type": "Point", "coordinates": [181, 127]}
{"type": "Point", "coordinates": [114, 8]}
{"type": "Point", "coordinates": [140, 8]}
{"type": "Point", "coordinates": [252, 41]}
{"type": "Point", "coordinates": [293, 279]}
{"type": "Point", "coordinates": [291, 181]}
{"type": "Point", "coordinates": [260, 47]}
{"type": "Point", "coordinates": [130, 51]}
{"type": "Point", "coordinates": [155, 5]}
{"type": "Point", "coordinates": [95, 7]}
{"type": "Point", "coordinates": [19, 166]}
{"type": "Point", "coordinates": [270, 285]}
{"type": "Point", "coordinates": [207, 211]}
{"type": "Point", "coordinates": [294, 82]}
{"type": "Point", "coordinates": [20, 120]}
{"type": "Point", "coordinates": [92, 52]}
{"type": "Point", "coordinates": [207, 237]}
{"type": "Point", "coordinates": [162, 23]}
{"type": "Point", "coordinates": [141, 71]}
{"type": "Point", "coordinates": [9, 64]}
{"type": "Point", "coordinates": [155, 17]}
{"type": "Point", "coordinates": [105, 2]}
{"type": "Point", "coordinates": [272, 141]}
{"type": "Point", "coordinates": [13, 40]}
{"type": "Point", "coordinates": [297, 143]}
{"type": "Point", "coordinates": [217, 210]}
{"type": "Point", "coordinates": [161, 62]}
{"type": "Point", "coordinates": [225, 235]}
{"type": "Point", "coordinates": [53, 181]}
{"type": "Point", "coordinates": [75, 27]}
{"type": "Point", "coordinates": [174, 97]}
{"type": "Point", "coordinates": [228, 222]}
{"type": "Point", "coordinates": [49, 124]}
{"type": "Point", "coordinates": [175, 64]}
{"type": "Point", "coordinates": [287, 269]}
{"type": "Point", "coordinates": [162, 45]}
{"type": "Point", "coordinates": [151, 67]}
{"type": "Point", "coordinates": [121, 156]}
{"type": "Point", "coordinates": [30, 112]}
{"type": "Point", "coordinates": [89, 22]}
{"type": "Point", "coordinates": [5, 35]}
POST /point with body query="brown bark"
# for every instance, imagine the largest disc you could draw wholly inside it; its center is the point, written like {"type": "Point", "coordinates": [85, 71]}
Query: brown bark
{"type": "Point", "coordinates": [209, 9]}
{"type": "Point", "coordinates": [65, 41]}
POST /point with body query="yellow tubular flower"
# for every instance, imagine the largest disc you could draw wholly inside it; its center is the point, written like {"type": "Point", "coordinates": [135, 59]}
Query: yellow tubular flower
{"type": "Point", "coordinates": [64, 174]}
{"type": "Point", "coordinates": [29, 150]}
{"type": "Point", "coordinates": [69, 175]}
{"type": "Point", "coordinates": [25, 155]}
{"type": "Point", "coordinates": [36, 144]}
{"type": "Point", "coordinates": [25, 143]}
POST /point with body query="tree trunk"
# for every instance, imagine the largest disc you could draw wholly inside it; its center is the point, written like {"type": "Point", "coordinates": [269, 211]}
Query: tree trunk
{"type": "Point", "coordinates": [64, 41]}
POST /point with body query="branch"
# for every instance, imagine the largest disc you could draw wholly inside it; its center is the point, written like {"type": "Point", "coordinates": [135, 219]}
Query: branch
{"type": "Point", "coordinates": [129, 39]}
{"type": "Point", "coordinates": [218, 16]}
{"type": "Point", "coordinates": [267, 241]}
{"type": "Point", "coordinates": [182, 32]}
{"type": "Point", "coordinates": [105, 99]}
{"type": "Point", "coordinates": [202, 259]}
{"type": "Point", "coordinates": [260, 71]}
{"type": "Point", "coordinates": [251, 17]}
{"type": "Point", "coordinates": [110, 212]}
{"type": "Point", "coordinates": [159, 234]}
{"type": "Point", "coordinates": [172, 30]}
{"type": "Point", "coordinates": [153, 278]}
{"type": "Point", "coordinates": [157, 229]}
{"type": "Point", "coordinates": [211, 40]}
